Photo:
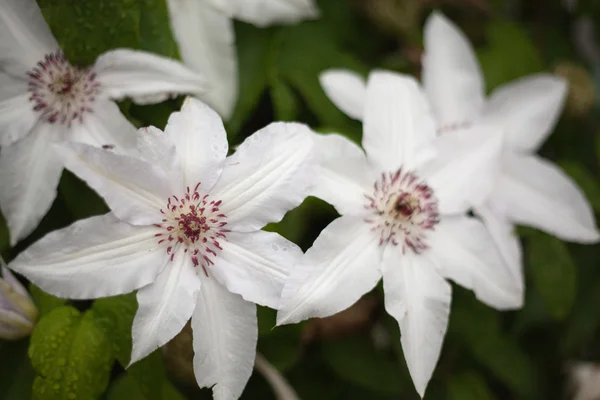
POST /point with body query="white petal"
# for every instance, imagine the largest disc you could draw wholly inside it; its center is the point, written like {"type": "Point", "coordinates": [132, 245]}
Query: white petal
{"type": "Point", "coordinates": [341, 266]}
{"type": "Point", "coordinates": [451, 76]}
{"type": "Point", "coordinates": [29, 174]}
{"type": "Point", "coordinates": [506, 240]}
{"type": "Point", "coordinates": [255, 265]}
{"type": "Point", "coordinates": [343, 174]}
{"type": "Point", "coordinates": [527, 109]}
{"type": "Point", "coordinates": [397, 122]}
{"type": "Point", "coordinates": [24, 35]}
{"type": "Point", "coordinates": [346, 89]}
{"type": "Point", "coordinates": [268, 12]}
{"type": "Point", "coordinates": [269, 174]}
{"type": "Point", "coordinates": [145, 77]}
{"type": "Point", "coordinates": [11, 86]}
{"type": "Point", "coordinates": [157, 148]}
{"type": "Point", "coordinates": [17, 118]}
{"type": "Point", "coordinates": [12, 280]}
{"type": "Point", "coordinates": [225, 334]}
{"type": "Point", "coordinates": [206, 40]}
{"type": "Point", "coordinates": [464, 251]}
{"type": "Point", "coordinates": [106, 126]}
{"type": "Point", "coordinates": [419, 299]}
{"type": "Point", "coordinates": [165, 306]}
{"type": "Point", "coordinates": [537, 193]}
{"type": "Point", "coordinates": [466, 167]}
{"type": "Point", "coordinates": [133, 189]}
{"type": "Point", "coordinates": [201, 143]}
{"type": "Point", "coordinates": [94, 257]}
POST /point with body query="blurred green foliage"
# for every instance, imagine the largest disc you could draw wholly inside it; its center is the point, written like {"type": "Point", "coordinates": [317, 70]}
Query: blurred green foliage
{"type": "Point", "coordinates": [83, 348]}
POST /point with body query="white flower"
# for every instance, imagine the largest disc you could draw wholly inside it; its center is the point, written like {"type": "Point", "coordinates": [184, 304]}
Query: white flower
{"type": "Point", "coordinates": [18, 314]}
{"type": "Point", "coordinates": [205, 34]}
{"type": "Point", "coordinates": [403, 216]}
{"type": "Point", "coordinates": [185, 229]}
{"type": "Point", "coordinates": [45, 99]}
{"type": "Point", "coordinates": [529, 190]}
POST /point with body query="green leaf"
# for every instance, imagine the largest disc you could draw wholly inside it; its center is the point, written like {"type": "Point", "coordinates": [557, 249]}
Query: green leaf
{"type": "Point", "coordinates": [284, 101]}
{"type": "Point", "coordinates": [356, 360]}
{"type": "Point", "coordinates": [585, 180]}
{"type": "Point", "coordinates": [127, 388]}
{"type": "Point", "coordinates": [71, 356]}
{"type": "Point", "coordinates": [469, 386]}
{"type": "Point", "coordinates": [45, 302]}
{"type": "Point", "coordinates": [553, 272]}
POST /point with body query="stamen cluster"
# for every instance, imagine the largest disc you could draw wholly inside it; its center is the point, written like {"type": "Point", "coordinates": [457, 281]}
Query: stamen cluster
{"type": "Point", "coordinates": [403, 209]}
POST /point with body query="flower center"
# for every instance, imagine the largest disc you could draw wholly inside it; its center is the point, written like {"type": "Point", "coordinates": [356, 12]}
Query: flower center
{"type": "Point", "coordinates": [193, 224]}
{"type": "Point", "coordinates": [61, 92]}
{"type": "Point", "coordinates": [404, 208]}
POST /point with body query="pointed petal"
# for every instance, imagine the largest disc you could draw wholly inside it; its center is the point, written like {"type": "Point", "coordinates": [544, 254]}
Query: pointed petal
{"type": "Point", "coordinates": [165, 306]}
{"type": "Point", "coordinates": [255, 265]}
{"type": "Point", "coordinates": [157, 148]}
{"type": "Point", "coordinates": [464, 251]}
{"type": "Point", "coordinates": [527, 109]}
{"type": "Point", "coordinates": [17, 118]}
{"type": "Point", "coordinates": [225, 335]}
{"type": "Point", "coordinates": [451, 76]}
{"type": "Point", "coordinates": [268, 12]}
{"type": "Point", "coordinates": [145, 77]}
{"type": "Point", "coordinates": [133, 189]}
{"type": "Point", "coordinates": [343, 173]}
{"type": "Point", "coordinates": [94, 257]}
{"type": "Point", "coordinates": [201, 143]}
{"type": "Point", "coordinates": [346, 89]}
{"type": "Point", "coordinates": [506, 240]}
{"type": "Point", "coordinates": [25, 38]}
{"type": "Point", "coordinates": [537, 193]}
{"type": "Point", "coordinates": [206, 40]}
{"type": "Point", "coordinates": [419, 299]}
{"type": "Point", "coordinates": [340, 267]}
{"type": "Point", "coordinates": [466, 167]}
{"type": "Point", "coordinates": [106, 126]}
{"type": "Point", "coordinates": [269, 174]}
{"type": "Point", "coordinates": [397, 121]}
{"type": "Point", "coordinates": [29, 173]}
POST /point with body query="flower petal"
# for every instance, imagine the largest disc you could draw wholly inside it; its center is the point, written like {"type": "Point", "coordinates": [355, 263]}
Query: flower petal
{"type": "Point", "coordinates": [464, 251]}
{"type": "Point", "coordinates": [255, 265]}
{"type": "Point", "coordinates": [157, 148]}
{"type": "Point", "coordinates": [145, 77]}
{"type": "Point", "coordinates": [340, 267]}
{"type": "Point", "coordinates": [269, 174]}
{"type": "Point", "coordinates": [535, 192]}
{"type": "Point", "coordinates": [201, 143]}
{"type": "Point", "coordinates": [17, 118]}
{"type": "Point", "coordinates": [343, 173]}
{"type": "Point", "coordinates": [419, 299]}
{"type": "Point", "coordinates": [29, 174]}
{"type": "Point", "coordinates": [397, 121]}
{"type": "Point", "coordinates": [165, 306]}
{"type": "Point", "coordinates": [466, 167]}
{"type": "Point", "coordinates": [451, 76]}
{"type": "Point", "coordinates": [527, 109]}
{"type": "Point", "coordinates": [133, 189]}
{"type": "Point", "coordinates": [94, 257]}
{"type": "Point", "coordinates": [225, 334]}
{"type": "Point", "coordinates": [206, 40]}
{"type": "Point", "coordinates": [25, 38]}
{"type": "Point", "coordinates": [267, 12]}
{"type": "Point", "coordinates": [346, 89]}
{"type": "Point", "coordinates": [506, 240]}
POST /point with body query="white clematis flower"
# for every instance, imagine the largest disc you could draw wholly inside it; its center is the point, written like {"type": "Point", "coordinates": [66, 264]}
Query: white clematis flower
{"type": "Point", "coordinates": [18, 314]}
{"type": "Point", "coordinates": [529, 189]}
{"type": "Point", "coordinates": [204, 31]}
{"type": "Point", "coordinates": [185, 231]}
{"type": "Point", "coordinates": [45, 99]}
{"type": "Point", "coordinates": [403, 216]}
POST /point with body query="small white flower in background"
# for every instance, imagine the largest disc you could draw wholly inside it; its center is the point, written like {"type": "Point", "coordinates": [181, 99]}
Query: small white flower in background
{"type": "Point", "coordinates": [185, 230]}
{"type": "Point", "coordinates": [44, 99]}
{"type": "Point", "coordinates": [403, 216]}
{"type": "Point", "coordinates": [18, 314]}
{"type": "Point", "coordinates": [205, 34]}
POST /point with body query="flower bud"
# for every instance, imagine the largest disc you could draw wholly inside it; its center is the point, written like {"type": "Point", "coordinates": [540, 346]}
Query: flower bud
{"type": "Point", "coordinates": [18, 314]}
